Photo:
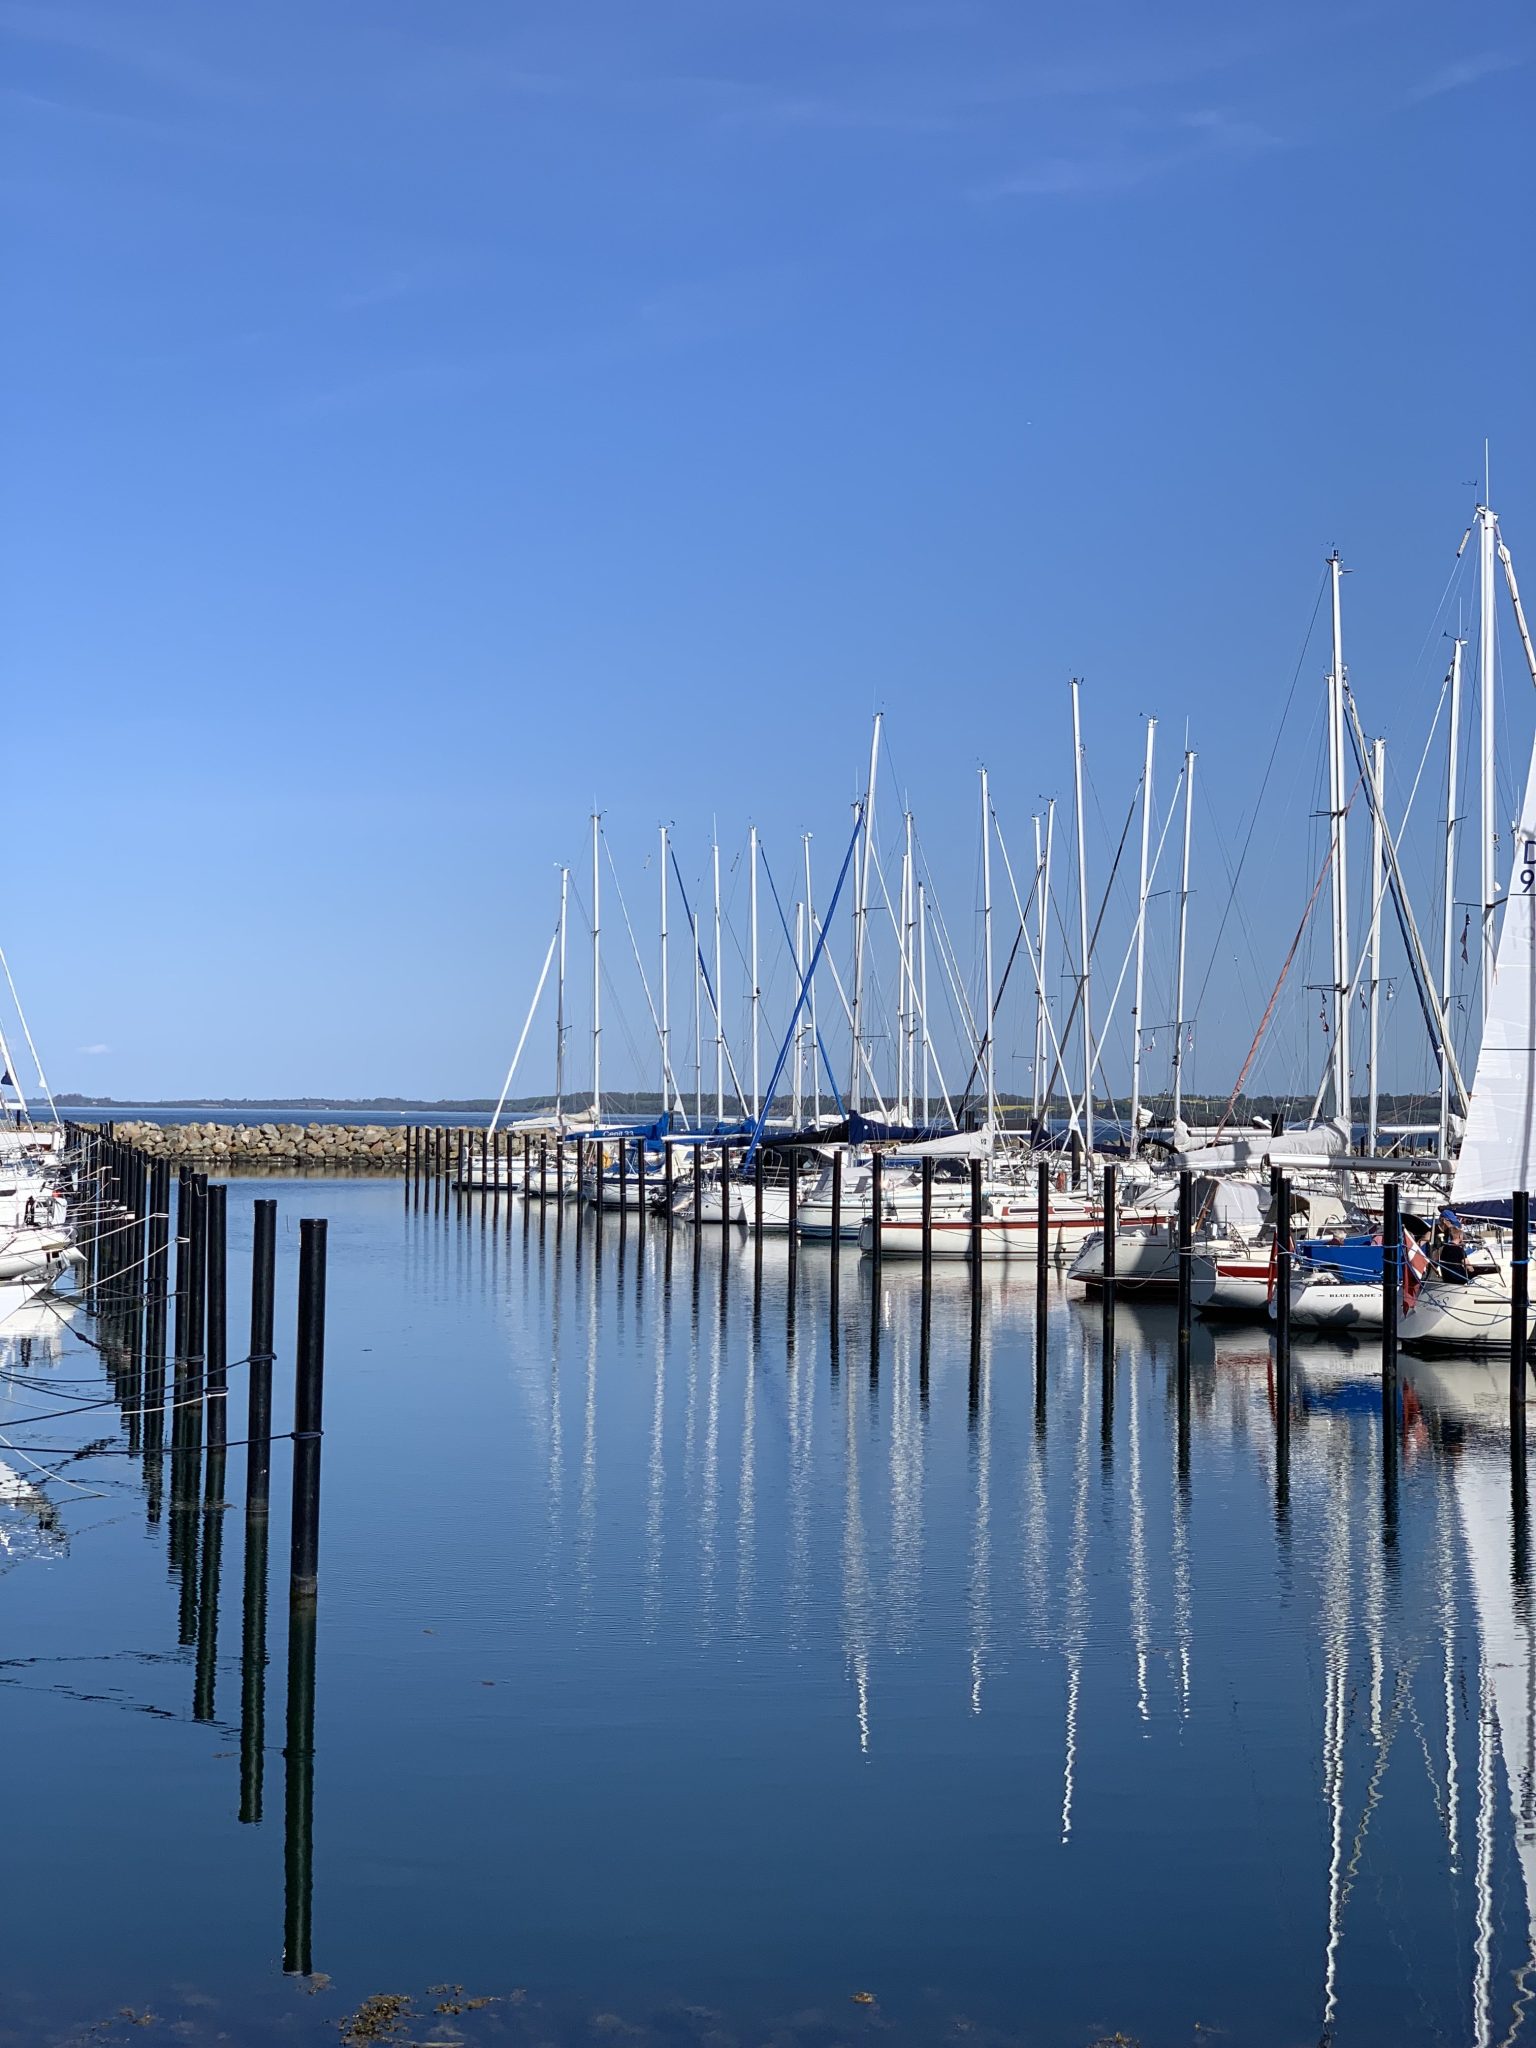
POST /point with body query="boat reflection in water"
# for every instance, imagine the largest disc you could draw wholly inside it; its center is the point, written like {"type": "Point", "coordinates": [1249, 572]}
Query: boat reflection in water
{"type": "Point", "coordinates": [874, 1635]}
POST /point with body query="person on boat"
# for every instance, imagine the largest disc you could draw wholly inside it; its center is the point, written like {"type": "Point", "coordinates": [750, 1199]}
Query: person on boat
{"type": "Point", "coordinates": [1451, 1248]}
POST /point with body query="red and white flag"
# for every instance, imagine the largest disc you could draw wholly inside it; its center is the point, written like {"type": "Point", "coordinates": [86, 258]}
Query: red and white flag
{"type": "Point", "coordinates": [1415, 1266]}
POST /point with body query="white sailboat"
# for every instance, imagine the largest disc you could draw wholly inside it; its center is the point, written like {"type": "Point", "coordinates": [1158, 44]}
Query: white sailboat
{"type": "Point", "coordinates": [1498, 1150]}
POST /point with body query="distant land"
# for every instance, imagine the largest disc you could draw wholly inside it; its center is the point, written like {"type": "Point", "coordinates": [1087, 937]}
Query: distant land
{"type": "Point", "coordinates": [1198, 1109]}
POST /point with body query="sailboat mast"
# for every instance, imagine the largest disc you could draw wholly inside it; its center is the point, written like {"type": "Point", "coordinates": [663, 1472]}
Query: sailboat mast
{"type": "Point", "coordinates": [861, 918]}
{"type": "Point", "coordinates": [1378, 884]}
{"type": "Point", "coordinates": [922, 987]}
{"type": "Point", "coordinates": [810, 927]}
{"type": "Point", "coordinates": [565, 883]}
{"type": "Point", "coordinates": [1178, 987]}
{"type": "Point", "coordinates": [1141, 944]}
{"type": "Point", "coordinates": [1343, 1108]}
{"type": "Point", "coordinates": [1082, 913]}
{"type": "Point", "coordinates": [1448, 934]}
{"type": "Point", "coordinates": [799, 1089]}
{"type": "Point", "coordinates": [597, 975]}
{"type": "Point", "coordinates": [698, 1029]}
{"type": "Point", "coordinates": [1489, 833]}
{"type": "Point", "coordinates": [752, 946]}
{"type": "Point", "coordinates": [1042, 934]}
{"type": "Point", "coordinates": [719, 1000]}
{"type": "Point", "coordinates": [666, 1021]}
{"type": "Point", "coordinates": [986, 947]}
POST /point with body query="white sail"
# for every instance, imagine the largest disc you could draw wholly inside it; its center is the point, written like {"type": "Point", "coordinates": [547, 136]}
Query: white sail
{"type": "Point", "coordinates": [1498, 1152]}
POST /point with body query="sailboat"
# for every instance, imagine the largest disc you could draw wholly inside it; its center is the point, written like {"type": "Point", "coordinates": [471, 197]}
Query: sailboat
{"type": "Point", "coordinates": [1498, 1150]}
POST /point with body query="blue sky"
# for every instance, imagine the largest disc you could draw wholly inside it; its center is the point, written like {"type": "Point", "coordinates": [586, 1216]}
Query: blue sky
{"type": "Point", "coordinates": [421, 423]}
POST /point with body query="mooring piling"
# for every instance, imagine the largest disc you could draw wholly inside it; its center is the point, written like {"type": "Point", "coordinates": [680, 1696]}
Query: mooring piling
{"type": "Point", "coordinates": [1519, 1329]}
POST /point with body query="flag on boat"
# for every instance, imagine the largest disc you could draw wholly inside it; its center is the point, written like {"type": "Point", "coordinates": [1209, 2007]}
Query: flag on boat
{"type": "Point", "coordinates": [1415, 1266]}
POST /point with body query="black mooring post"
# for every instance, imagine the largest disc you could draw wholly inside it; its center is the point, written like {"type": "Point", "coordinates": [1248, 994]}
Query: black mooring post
{"type": "Point", "coordinates": [1283, 1278]}
{"type": "Point", "coordinates": [581, 1177]}
{"type": "Point", "coordinates": [642, 1190]}
{"type": "Point", "coordinates": [698, 1196]}
{"type": "Point", "coordinates": [975, 1234]}
{"type": "Point", "coordinates": [528, 1166]}
{"type": "Point", "coordinates": [1391, 1295]}
{"type": "Point", "coordinates": [623, 1183]}
{"type": "Point", "coordinates": [308, 1392]}
{"type": "Point", "coordinates": [667, 1189]}
{"type": "Point", "coordinates": [837, 1206]}
{"type": "Point", "coordinates": [1519, 1330]}
{"type": "Point", "coordinates": [876, 1207]}
{"type": "Point", "coordinates": [197, 1309]}
{"type": "Point", "coordinates": [927, 1171]}
{"type": "Point", "coordinates": [1110, 1248]}
{"type": "Point", "coordinates": [1186, 1252]}
{"type": "Point", "coordinates": [1042, 1238]}
{"type": "Point", "coordinates": [218, 1325]}
{"type": "Point", "coordinates": [794, 1204]}
{"type": "Point", "coordinates": [157, 1275]}
{"type": "Point", "coordinates": [725, 1194]}
{"type": "Point", "coordinates": [757, 1219]}
{"type": "Point", "coordinates": [559, 1167]}
{"type": "Point", "coordinates": [258, 1429]}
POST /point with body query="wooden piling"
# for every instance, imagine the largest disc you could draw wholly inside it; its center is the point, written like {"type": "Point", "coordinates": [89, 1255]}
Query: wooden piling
{"type": "Point", "coordinates": [308, 1398]}
{"type": "Point", "coordinates": [1110, 1248]}
{"type": "Point", "coordinates": [1391, 1294]}
{"type": "Point", "coordinates": [1186, 1252]}
{"type": "Point", "coordinates": [1519, 1328]}
{"type": "Point", "coordinates": [258, 1429]}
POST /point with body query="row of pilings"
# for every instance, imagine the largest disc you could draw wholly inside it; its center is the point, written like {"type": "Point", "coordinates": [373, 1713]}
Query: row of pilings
{"type": "Point", "coordinates": [155, 1288]}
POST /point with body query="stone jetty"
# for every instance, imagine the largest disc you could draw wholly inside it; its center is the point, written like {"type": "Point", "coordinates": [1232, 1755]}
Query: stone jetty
{"type": "Point", "coordinates": [360, 1148]}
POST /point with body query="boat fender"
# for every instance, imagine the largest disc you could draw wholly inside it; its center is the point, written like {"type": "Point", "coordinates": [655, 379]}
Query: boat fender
{"type": "Point", "coordinates": [31, 1214]}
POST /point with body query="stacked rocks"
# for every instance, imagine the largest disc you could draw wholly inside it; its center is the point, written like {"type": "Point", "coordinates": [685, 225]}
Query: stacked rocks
{"type": "Point", "coordinates": [227, 1147]}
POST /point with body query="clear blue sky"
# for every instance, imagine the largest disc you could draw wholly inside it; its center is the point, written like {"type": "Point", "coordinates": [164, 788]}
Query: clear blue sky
{"type": "Point", "coordinates": [421, 421]}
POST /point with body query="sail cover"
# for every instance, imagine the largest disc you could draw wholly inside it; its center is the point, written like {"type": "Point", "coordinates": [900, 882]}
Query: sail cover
{"type": "Point", "coordinates": [1498, 1152]}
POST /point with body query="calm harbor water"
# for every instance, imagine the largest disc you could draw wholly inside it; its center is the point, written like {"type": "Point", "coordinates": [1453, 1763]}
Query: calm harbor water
{"type": "Point", "coordinates": [706, 1660]}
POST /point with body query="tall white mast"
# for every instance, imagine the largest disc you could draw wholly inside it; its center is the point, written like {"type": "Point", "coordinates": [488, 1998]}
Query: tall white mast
{"type": "Point", "coordinates": [861, 917]}
{"type": "Point", "coordinates": [986, 949]}
{"type": "Point", "coordinates": [666, 1022]}
{"type": "Point", "coordinates": [1448, 935]}
{"type": "Point", "coordinates": [1489, 834]}
{"type": "Point", "coordinates": [797, 1110]}
{"type": "Point", "coordinates": [565, 883]}
{"type": "Point", "coordinates": [922, 986]}
{"type": "Point", "coordinates": [1337, 805]}
{"type": "Point", "coordinates": [597, 977]}
{"type": "Point", "coordinates": [1141, 943]}
{"type": "Point", "coordinates": [1378, 883]}
{"type": "Point", "coordinates": [1082, 914]}
{"type": "Point", "coordinates": [909, 948]}
{"type": "Point", "coordinates": [1037, 1061]}
{"type": "Point", "coordinates": [752, 943]}
{"type": "Point", "coordinates": [719, 1000]}
{"type": "Point", "coordinates": [698, 1028]}
{"type": "Point", "coordinates": [1042, 934]}
{"type": "Point", "coordinates": [810, 928]}
{"type": "Point", "coordinates": [901, 981]}
{"type": "Point", "coordinates": [1178, 984]}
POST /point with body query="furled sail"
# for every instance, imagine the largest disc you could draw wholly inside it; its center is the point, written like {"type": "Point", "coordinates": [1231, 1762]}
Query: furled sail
{"type": "Point", "coordinates": [1498, 1152]}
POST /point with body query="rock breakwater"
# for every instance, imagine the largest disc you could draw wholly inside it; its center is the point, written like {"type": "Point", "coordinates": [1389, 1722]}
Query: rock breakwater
{"type": "Point", "coordinates": [352, 1148]}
